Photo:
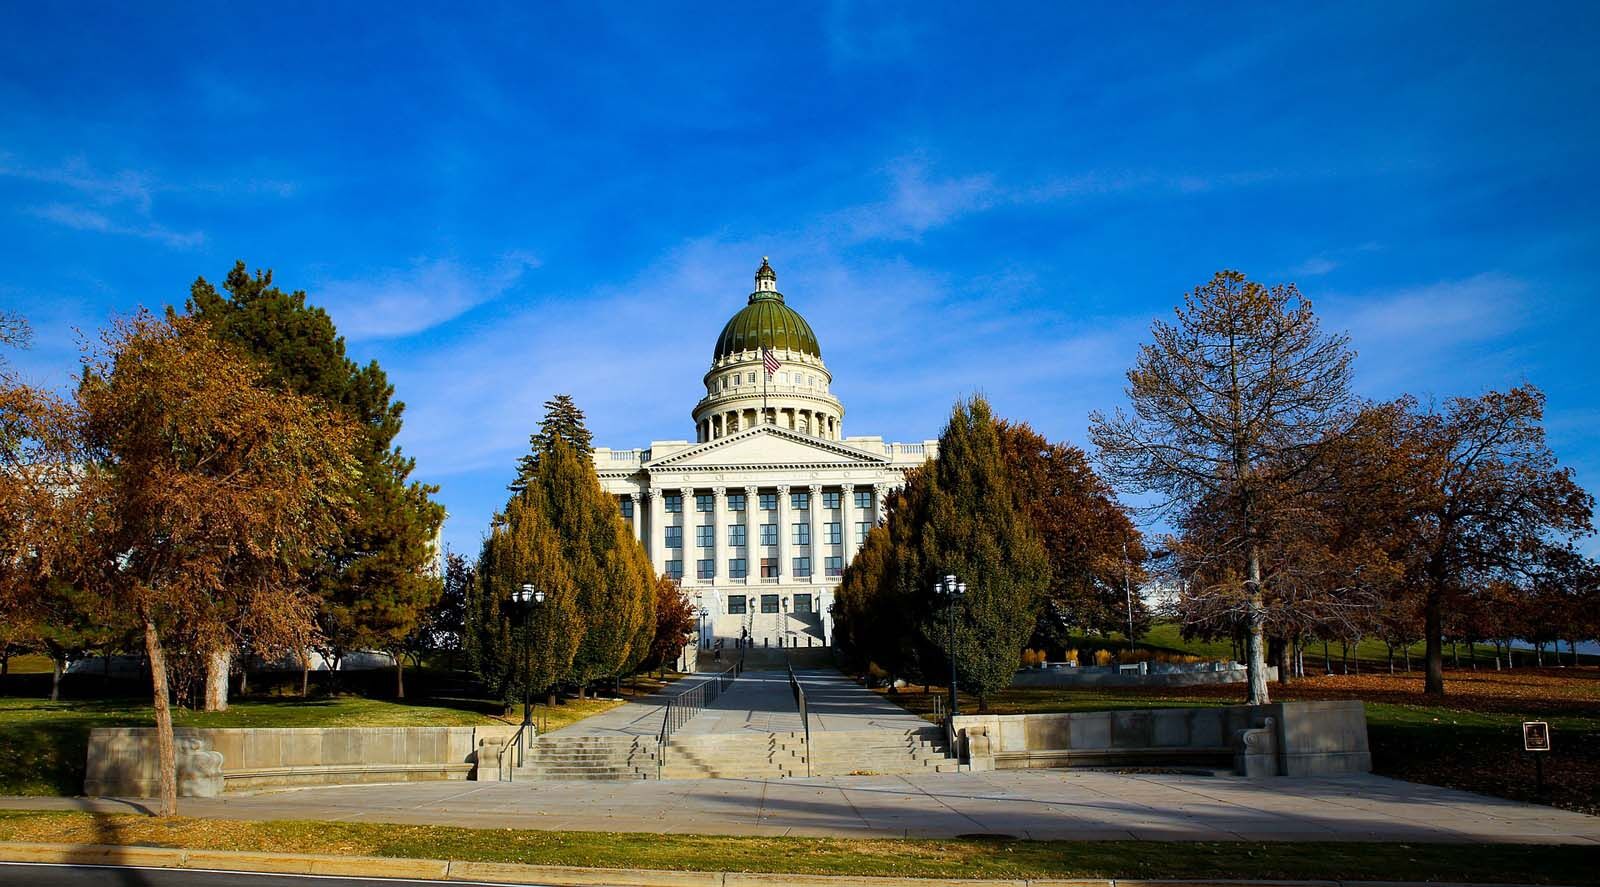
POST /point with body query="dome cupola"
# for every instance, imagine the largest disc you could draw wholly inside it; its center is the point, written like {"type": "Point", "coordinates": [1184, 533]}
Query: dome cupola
{"type": "Point", "coordinates": [746, 387]}
{"type": "Point", "coordinates": [766, 322]}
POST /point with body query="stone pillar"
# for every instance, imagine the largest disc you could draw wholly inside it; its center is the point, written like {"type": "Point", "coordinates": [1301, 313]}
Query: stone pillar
{"type": "Point", "coordinates": [690, 551]}
{"type": "Point", "coordinates": [719, 533]}
{"type": "Point", "coordinates": [784, 545]}
{"type": "Point", "coordinates": [638, 518]}
{"type": "Point", "coordinates": [658, 533]}
{"type": "Point", "coordinates": [752, 535]}
{"type": "Point", "coordinates": [879, 493]}
{"type": "Point", "coordinates": [817, 547]}
{"type": "Point", "coordinates": [847, 522]}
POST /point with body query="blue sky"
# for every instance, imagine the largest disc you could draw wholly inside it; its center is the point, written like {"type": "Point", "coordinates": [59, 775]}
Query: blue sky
{"type": "Point", "coordinates": [501, 203]}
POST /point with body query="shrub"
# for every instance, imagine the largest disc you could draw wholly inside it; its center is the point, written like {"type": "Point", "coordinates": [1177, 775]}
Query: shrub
{"type": "Point", "coordinates": [1071, 656]}
{"type": "Point", "coordinates": [1102, 657]}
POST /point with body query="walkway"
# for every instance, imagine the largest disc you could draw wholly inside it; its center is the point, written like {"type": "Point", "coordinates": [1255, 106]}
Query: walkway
{"type": "Point", "coordinates": [761, 702]}
{"type": "Point", "coordinates": [1037, 804]}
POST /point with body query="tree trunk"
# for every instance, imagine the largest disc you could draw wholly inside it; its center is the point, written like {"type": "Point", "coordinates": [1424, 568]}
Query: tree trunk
{"type": "Point", "coordinates": [1285, 662]}
{"type": "Point", "coordinates": [1407, 649]}
{"type": "Point", "coordinates": [1455, 653]}
{"type": "Point", "coordinates": [305, 673]}
{"type": "Point", "coordinates": [1538, 654]}
{"type": "Point", "coordinates": [167, 804]}
{"type": "Point", "coordinates": [244, 677]}
{"type": "Point", "coordinates": [5, 663]}
{"type": "Point", "coordinates": [1391, 656]}
{"type": "Point", "coordinates": [1433, 618]}
{"type": "Point", "coordinates": [550, 699]}
{"type": "Point", "coordinates": [399, 678]}
{"type": "Point", "coordinates": [1327, 661]}
{"type": "Point", "coordinates": [1572, 647]}
{"type": "Point", "coordinates": [56, 667]}
{"type": "Point", "coordinates": [1255, 647]}
{"type": "Point", "coordinates": [218, 662]}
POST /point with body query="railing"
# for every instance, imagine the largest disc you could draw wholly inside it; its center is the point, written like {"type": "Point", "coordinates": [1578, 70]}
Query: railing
{"type": "Point", "coordinates": [521, 741]}
{"type": "Point", "coordinates": [799, 692]}
{"type": "Point", "coordinates": [679, 709]}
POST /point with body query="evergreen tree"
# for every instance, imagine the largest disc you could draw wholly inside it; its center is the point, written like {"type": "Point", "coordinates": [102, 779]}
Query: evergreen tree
{"type": "Point", "coordinates": [520, 654]}
{"type": "Point", "coordinates": [562, 421]}
{"type": "Point", "coordinates": [374, 581]}
{"type": "Point", "coordinates": [971, 525]}
{"type": "Point", "coordinates": [615, 585]}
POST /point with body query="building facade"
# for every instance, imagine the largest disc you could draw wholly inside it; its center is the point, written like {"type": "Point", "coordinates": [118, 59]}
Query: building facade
{"type": "Point", "coordinates": [760, 513]}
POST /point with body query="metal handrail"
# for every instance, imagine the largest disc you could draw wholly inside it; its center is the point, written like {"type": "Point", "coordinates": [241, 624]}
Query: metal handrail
{"type": "Point", "coordinates": [516, 742]}
{"type": "Point", "coordinates": [679, 709]}
{"type": "Point", "coordinates": [799, 692]}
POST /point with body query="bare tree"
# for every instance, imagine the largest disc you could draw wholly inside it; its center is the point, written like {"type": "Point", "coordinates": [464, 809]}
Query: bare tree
{"type": "Point", "coordinates": [1242, 380]}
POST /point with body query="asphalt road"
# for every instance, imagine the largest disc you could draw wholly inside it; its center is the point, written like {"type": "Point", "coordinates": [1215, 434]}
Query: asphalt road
{"type": "Point", "coordinates": [32, 875]}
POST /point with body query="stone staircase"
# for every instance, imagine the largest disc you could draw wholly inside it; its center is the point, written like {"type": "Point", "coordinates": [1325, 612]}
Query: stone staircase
{"type": "Point", "coordinates": [744, 755]}
{"type": "Point", "coordinates": [880, 753]}
{"type": "Point", "coordinates": [607, 758]}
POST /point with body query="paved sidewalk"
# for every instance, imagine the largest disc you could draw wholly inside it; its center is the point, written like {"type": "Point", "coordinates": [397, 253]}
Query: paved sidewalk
{"type": "Point", "coordinates": [1039, 804]}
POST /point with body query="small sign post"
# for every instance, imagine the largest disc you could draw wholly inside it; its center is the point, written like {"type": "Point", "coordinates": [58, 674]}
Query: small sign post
{"type": "Point", "coordinates": [1536, 739]}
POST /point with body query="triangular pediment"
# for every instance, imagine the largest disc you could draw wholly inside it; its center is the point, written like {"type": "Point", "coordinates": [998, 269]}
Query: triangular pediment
{"type": "Point", "coordinates": [768, 445]}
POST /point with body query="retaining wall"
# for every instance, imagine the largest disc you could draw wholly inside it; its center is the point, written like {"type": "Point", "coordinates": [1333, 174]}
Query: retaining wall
{"type": "Point", "coordinates": [1280, 739]}
{"type": "Point", "coordinates": [123, 761]}
{"type": "Point", "coordinates": [1092, 676]}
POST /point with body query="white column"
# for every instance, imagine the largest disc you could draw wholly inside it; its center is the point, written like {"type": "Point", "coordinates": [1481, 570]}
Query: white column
{"type": "Point", "coordinates": [815, 513]}
{"type": "Point", "coordinates": [638, 518]}
{"type": "Point", "coordinates": [847, 521]}
{"type": "Point", "coordinates": [719, 534]}
{"type": "Point", "coordinates": [784, 545]}
{"type": "Point", "coordinates": [880, 492]}
{"type": "Point", "coordinates": [690, 551]}
{"type": "Point", "coordinates": [658, 533]}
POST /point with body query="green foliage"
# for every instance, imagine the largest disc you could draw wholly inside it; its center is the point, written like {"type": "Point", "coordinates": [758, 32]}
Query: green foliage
{"type": "Point", "coordinates": [374, 581]}
{"type": "Point", "coordinates": [562, 421]}
{"type": "Point", "coordinates": [522, 653]}
{"type": "Point", "coordinates": [972, 526]}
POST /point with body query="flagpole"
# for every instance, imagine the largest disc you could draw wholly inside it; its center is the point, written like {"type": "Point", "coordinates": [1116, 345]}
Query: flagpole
{"type": "Point", "coordinates": [765, 375]}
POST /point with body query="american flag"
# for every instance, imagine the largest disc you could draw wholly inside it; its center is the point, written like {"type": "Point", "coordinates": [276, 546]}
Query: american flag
{"type": "Point", "coordinates": [770, 361]}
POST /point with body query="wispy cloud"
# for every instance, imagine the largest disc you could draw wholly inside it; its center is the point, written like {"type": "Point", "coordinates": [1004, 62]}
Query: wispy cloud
{"type": "Point", "coordinates": [401, 302]}
{"type": "Point", "coordinates": [1316, 266]}
{"type": "Point", "coordinates": [83, 219]}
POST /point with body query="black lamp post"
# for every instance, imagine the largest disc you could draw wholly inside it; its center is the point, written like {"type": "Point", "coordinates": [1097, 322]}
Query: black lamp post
{"type": "Point", "coordinates": [953, 591]}
{"type": "Point", "coordinates": [525, 597]}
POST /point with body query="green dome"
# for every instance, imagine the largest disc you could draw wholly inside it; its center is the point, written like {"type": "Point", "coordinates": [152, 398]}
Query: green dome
{"type": "Point", "coordinates": [766, 323]}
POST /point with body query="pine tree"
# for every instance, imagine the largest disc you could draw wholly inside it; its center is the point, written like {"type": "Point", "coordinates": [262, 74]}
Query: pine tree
{"type": "Point", "coordinates": [522, 654]}
{"type": "Point", "coordinates": [374, 581]}
{"type": "Point", "coordinates": [615, 585]}
{"type": "Point", "coordinates": [971, 525]}
{"type": "Point", "coordinates": [562, 421]}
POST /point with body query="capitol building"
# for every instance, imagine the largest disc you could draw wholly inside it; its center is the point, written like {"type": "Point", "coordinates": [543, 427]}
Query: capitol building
{"type": "Point", "coordinates": [759, 514]}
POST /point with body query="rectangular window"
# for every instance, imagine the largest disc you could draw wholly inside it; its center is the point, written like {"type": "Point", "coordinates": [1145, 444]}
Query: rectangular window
{"type": "Point", "coordinates": [835, 533]}
{"type": "Point", "coordinates": [769, 501]}
{"type": "Point", "coordinates": [751, 378]}
{"type": "Point", "coordinates": [802, 534]}
{"type": "Point", "coordinates": [736, 535]}
{"type": "Point", "coordinates": [802, 567]}
{"type": "Point", "coordinates": [675, 569]}
{"type": "Point", "coordinates": [802, 603]}
{"type": "Point", "coordinates": [864, 499]}
{"type": "Point", "coordinates": [735, 501]}
{"type": "Point", "coordinates": [834, 566]}
{"type": "Point", "coordinates": [736, 568]}
{"type": "Point", "coordinates": [862, 529]}
{"type": "Point", "coordinates": [769, 568]}
{"type": "Point", "coordinates": [702, 502]}
{"type": "Point", "coordinates": [673, 503]}
{"type": "Point", "coordinates": [736, 605]}
{"type": "Point", "coordinates": [769, 534]}
{"type": "Point", "coordinates": [705, 537]}
{"type": "Point", "coordinates": [706, 568]}
{"type": "Point", "coordinates": [674, 537]}
{"type": "Point", "coordinates": [800, 501]}
{"type": "Point", "coordinates": [769, 603]}
{"type": "Point", "coordinates": [830, 500]}
{"type": "Point", "coordinates": [627, 507]}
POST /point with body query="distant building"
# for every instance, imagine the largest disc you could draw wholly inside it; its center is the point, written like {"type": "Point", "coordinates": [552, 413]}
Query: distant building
{"type": "Point", "coordinates": [760, 514]}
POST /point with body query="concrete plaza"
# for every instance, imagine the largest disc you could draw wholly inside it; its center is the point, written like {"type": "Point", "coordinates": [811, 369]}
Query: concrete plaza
{"type": "Point", "coordinates": [1038, 804]}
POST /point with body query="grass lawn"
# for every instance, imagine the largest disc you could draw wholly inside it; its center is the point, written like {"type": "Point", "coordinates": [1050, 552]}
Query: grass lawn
{"type": "Point", "coordinates": [29, 663]}
{"type": "Point", "coordinates": [971, 858]}
{"type": "Point", "coordinates": [1472, 739]}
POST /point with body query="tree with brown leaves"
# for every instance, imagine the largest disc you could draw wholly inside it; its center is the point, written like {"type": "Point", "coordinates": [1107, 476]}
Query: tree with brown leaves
{"type": "Point", "coordinates": [206, 491]}
{"type": "Point", "coordinates": [1243, 379]}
